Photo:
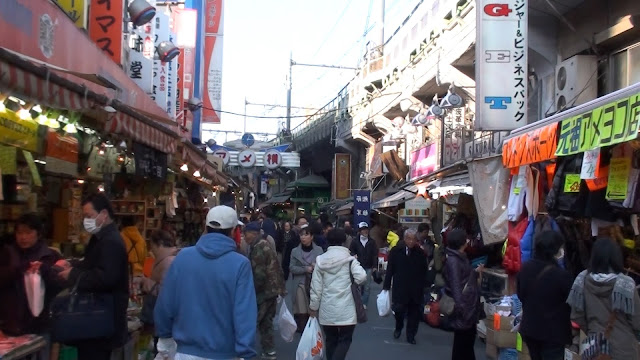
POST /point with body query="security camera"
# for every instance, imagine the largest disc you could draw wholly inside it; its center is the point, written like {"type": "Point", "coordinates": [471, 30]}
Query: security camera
{"type": "Point", "coordinates": [141, 12]}
{"type": "Point", "coordinates": [194, 104]}
{"type": "Point", "coordinates": [451, 100]}
{"type": "Point", "coordinates": [167, 51]}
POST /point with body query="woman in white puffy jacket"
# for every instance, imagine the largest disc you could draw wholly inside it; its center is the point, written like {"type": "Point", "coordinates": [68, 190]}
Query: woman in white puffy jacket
{"type": "Point", "coordinates": [331, 297]}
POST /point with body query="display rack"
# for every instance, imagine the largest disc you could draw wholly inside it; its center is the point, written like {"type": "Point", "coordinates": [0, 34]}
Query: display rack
{"type": "Point", "coordinates": [148, 217]}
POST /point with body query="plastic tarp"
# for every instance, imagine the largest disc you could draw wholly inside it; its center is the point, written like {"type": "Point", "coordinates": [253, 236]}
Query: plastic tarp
{"type": "Point", "coordinates": [490, 182]}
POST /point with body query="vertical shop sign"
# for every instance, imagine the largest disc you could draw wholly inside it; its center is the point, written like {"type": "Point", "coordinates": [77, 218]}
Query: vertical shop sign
{"type": "Point", "coordinates": [76, 10]}
{"type": "Point", "coordinates": [184, 26]}
{"type": "Point", "coordinates": [361, 207]}
{"type": "Point", "coordinates": [501, 55]}
{"type": "Point", "coordinates": [140, 68]}
{"type": "Point", "coordinates": [160, 74]}
{"type": "Point", "coordinates": [149, 161]}
{"type": "Point", "coordinates": [342, 180]}
{"type": "Point", "coordinates": [172, 73]}
{"type": "Point", "coordinates": [105, 27]}
{"type": "Point", "coordinates": [212, 61]}
{"type": "Point", "coordinates": [179, 90]}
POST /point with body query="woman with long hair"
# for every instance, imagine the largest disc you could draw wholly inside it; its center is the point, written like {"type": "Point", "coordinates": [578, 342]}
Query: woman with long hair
{"type": "Point", "coordinates": [331, 298]}
{"type": "Point", "coordinates": [303, 261]}
{"type": "Point", "coordinates": [604, 301]}
{"type": "Point", "coordinates": [543, 287]}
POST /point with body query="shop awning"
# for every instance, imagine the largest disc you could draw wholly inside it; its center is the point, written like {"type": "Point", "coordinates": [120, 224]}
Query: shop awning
{"type": "Point", "coordinates": [346, 207]}
{"type": "Point", "coordinates": [459, 179]}
{"type": "Point", "coordinates": [280, 198]}
{"type": "Point", "coordinates": [128, 123]}
{"type": "Point", "coordinates": [311, 181]}
{"type": "Point", "coordinates": [396, 199]}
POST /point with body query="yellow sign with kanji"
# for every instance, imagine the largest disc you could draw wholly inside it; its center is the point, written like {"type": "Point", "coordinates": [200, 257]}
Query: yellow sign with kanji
{"type": "Point", "coordinates": [17, 132]}
{"type": "Point", "coordinates": [76, 10]}
{"type": "Point", "coordinates": [613, 123]}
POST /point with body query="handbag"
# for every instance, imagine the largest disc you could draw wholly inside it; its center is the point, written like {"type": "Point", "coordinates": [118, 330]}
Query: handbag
{"type": "Point", "coordinates": [596, 346]}
{"type": "Point", "coordinates": [361, 312]}
{"type": "Point", "coordinates": [77, 316]}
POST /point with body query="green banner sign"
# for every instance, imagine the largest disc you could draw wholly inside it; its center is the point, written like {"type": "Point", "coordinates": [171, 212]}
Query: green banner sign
{"type": "Point", "coordinates": [609, 124]}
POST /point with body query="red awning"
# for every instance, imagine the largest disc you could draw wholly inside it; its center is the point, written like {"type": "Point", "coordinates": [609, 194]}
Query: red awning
{"type": "Point", "coordinates": [142, 132]}
{"type": "Point", "coordinates": [40, 90]}
{"type": "Point", "coordinates": [193, 156]}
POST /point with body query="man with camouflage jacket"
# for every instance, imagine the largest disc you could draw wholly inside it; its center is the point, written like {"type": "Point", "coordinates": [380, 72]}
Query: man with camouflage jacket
{"type": "Point", "coordinates": [268, 280]}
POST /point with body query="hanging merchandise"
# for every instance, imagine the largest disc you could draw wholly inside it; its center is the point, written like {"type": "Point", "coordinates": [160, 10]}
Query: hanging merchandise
{"type": "Point", "coordinates": [524, 193]}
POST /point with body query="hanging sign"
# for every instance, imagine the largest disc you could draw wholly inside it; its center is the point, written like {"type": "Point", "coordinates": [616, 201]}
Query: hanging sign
{"type": "Point", "coordinates": [172, 74]}
{"type": "Point", "coordinates": [424, 161]}
{"type": "Point", "coordinates": [160, 71]}
{"type": "Point", "coordinates": [533, 147]}
{"type": "Point", "coordinates": [572, 183]}
{"type": "Point", "coordinates": [590, 164]}
{"type": "Point", "coordinates": [76, 10]}
{"type": "Point", "coordinates": [606, 125]}
{"type": "Point", "coordinates": [247, 158]}
{"type": "Point", "coordinates": [61, 154]}
{"type": "Point", "coordinates": [272, 159]}
{"type": "Point", "coordinates": [223, 154]}
{"type": "Point", "coordinates": [17, 132]}
{"type": "Point", "coordinates": [342, 176]}
{"type": "Point", "coordinates": [361, 206]}
{"type": "Point", "coordinates": [140, 68]}
{"type": "Point", "coordinates": [213, 28]}
{"type": "Point", "coordinates": [150, 162]}
{"type": "Point", "coordinates": [501, 56]}
{"type": "Point", "coordinates": [105, 27]}
{"type": "Point", "coordinates": [619, 170]}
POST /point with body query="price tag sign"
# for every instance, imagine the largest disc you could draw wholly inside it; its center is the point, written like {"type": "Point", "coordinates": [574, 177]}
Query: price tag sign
{"type": "Point", "coordinates": [572, 183]}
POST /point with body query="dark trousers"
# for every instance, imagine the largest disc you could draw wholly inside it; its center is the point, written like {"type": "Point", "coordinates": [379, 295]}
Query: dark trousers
{"type": "Point", "coordinates": [266, 313]}
{"type": "Point", "coordinates": [540, 350]}
{"type": "Point", "coordinates": [93, 353]}
{"type": "Point", "coordinates": [463, 342]}
{"type": "Point", "coordinates": [338, 341]}
{"type": "Point", "coordinates": [412, 312]}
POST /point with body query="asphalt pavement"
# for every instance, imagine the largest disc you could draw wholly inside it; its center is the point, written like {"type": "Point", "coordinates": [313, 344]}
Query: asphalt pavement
{"type": "Point", "coordinates": [374, 340]}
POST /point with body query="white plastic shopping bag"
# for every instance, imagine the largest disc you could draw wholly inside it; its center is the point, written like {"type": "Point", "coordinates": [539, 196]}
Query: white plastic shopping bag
{"type": "Point", "coordinates": [311, 346]}
{"type": "Point", "coordinates": [286, 323]}
{"type": "Point", "coordinates": [384, 303]}
{"type": "Point", "coordinates": [167, 348]}
{"type": "Point", "coordinates": [34, 287]}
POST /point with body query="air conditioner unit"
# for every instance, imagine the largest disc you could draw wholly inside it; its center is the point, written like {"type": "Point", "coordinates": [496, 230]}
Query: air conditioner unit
{"type": "Point", "coordinates": [576, 81]}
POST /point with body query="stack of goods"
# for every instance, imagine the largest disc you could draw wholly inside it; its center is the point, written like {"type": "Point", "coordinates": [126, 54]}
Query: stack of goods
{"type": "Point", "coordinates": [502, 337]}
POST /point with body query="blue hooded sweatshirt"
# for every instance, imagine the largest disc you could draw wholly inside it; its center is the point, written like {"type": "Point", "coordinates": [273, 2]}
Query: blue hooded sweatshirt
{"type": "Point", "coordinates": [208, 302]}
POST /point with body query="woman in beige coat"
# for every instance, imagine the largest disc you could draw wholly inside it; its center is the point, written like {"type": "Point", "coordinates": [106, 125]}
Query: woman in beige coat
{"type": "Point", "coordinates": [603, 297]}
{"type": "Point", "coordinates": [303, 261]}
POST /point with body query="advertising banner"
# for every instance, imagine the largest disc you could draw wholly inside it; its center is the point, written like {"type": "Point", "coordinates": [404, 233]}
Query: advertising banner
{"type": "Point", "coordinates": [140, 68]}
{"type": "Point", "coordinates": [61, 154]}
{"type": "Point", "coordinates": [501, 58]}
{"type": "Point", "coordinates": [17, 132]}
{"type": "Point", "coordinates": [535, 146]}
{"type": "Point", "coordinates": [76, 10]}
{"type": "Point", "coordinates": [424, 161]}
{"type": "Point", "coordinates": [361, 207]}
{"type": "Point", "coordinates": [172, 75]}
{"type": "Point", "coordinates": [342, 176]}
{"type": "Point", "coordinates": [179, 90]}
{"type": "Point", "coordinates": [213, 28]}
{"type": "Point", "coordinates": [160, 71]}
{"type": "Point", "coordinates": [105, 27]}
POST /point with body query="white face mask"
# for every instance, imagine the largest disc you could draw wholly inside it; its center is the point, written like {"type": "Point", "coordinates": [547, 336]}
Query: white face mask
{"type": "Point", "coordinates": [560, 254]}
{"type": "Point", "coordinates": [364, 238]}
{"type": "Point", "coordinates": [90, 225]}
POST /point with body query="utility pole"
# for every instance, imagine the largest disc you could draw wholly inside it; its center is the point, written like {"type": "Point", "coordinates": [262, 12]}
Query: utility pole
{"type": "Point", "coordinates": [245, 116]}
{"type": "Point", "coordinates": [289, 93]}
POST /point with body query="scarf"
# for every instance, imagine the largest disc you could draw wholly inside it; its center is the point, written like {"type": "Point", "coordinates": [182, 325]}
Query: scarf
{"type": "Point", "coordinates": [621, 296]}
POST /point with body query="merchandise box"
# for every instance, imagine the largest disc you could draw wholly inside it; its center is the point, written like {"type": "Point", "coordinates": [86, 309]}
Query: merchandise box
{"type": "Point", "coordinates": [502, 338]}
{"type": "Point", "coordinates": [492, 351]}
{"type": "Point", "coordinates": [499, 322]}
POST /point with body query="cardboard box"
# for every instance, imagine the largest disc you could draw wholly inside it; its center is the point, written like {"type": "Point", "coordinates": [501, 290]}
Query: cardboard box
{"type": "Point", "coordinates": [503, 322]}
{"type": "Point", "coordinates": [502, 338]}
{"type": "Point", "coordinates": [492, 351]}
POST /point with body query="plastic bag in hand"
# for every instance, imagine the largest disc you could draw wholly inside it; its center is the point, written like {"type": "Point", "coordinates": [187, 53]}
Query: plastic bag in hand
{"type": "Point", "coordinates": [384, 304]}
{"type": "Point", "coordinates": [286, 323]}
{"type": "Point", "coordinates": [167, 349]}
{"type": "Point", "coordinates": [311, 346]}
{"type": "Point", "coordinates": [34, 287]}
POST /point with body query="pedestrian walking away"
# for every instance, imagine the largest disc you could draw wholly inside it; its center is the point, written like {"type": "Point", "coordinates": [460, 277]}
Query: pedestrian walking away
{"type": "Point", "coordinates": [207, 302]}
{"type": "Point", "coordinates": [269, 284]}
{"type": "Point", "coordinates": [331, 299]}
{"type": "Point", "coordinates": [406, 271]}
{"type": "Point", "coordinates": [366, 251]}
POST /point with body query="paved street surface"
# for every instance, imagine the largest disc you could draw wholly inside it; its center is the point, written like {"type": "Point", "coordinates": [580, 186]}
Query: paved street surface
{"type": "Point", "coordinates": [374, 341]}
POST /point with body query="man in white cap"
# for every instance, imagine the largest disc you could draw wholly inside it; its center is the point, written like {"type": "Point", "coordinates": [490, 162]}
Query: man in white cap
{"type": "Point", "coordinates": [366, 250]}
{"type": "Point", "coordinates": [207, 302]}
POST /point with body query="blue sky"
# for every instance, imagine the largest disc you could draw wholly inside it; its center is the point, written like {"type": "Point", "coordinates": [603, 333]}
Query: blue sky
{"type": "Point", "coordinates": [258, 37]}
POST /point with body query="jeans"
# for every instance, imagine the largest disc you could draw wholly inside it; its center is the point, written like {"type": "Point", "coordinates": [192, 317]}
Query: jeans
{"type": "Point", "coordinates": [338, 341]}
{"type": "Point", "coordinates": [412, 312]}
{"type": "Point", "coordinates": [541, 350]}
{"type": "Point", "coordinates": [365, 288]}
{"type": "Point", "coordinates": [463, 342]}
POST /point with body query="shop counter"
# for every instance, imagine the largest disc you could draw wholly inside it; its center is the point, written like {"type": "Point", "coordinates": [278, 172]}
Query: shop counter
{"type": "Point", "coordinates": [25, 347]}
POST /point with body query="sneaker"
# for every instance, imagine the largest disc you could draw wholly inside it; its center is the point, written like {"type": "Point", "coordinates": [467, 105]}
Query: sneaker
{"type": "Point", "coordinates": [271, 355]}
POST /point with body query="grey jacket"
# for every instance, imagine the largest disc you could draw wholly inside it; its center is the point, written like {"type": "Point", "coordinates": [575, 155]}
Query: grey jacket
{"type": "Point", "coordinates": [298, 264]}
{"type": "Point", "coordinates": [597, 298]}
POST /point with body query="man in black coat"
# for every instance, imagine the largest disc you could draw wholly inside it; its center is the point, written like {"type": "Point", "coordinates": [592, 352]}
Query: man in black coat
{"type": "Point", "coordinates": [407, 268]}
{"type": "Point", "coordinates": [104, 269]}
{"type": "Point", "coordinates": [366, 250]}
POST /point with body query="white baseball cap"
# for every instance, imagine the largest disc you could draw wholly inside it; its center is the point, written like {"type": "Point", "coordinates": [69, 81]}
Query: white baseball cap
{"type": "Point", "coordinates": [363, 225]}
{"type": "Point", "coordinates": [222, 217]}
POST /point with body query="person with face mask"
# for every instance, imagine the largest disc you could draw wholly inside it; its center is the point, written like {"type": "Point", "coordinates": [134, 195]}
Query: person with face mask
{"type": "Point", "coordinates": [366, 251]}
{"type": "Point", "coordinates": [28, 253]}
{"type": "Point", "coordinates": [543, 288]}
{"type": "Point", "coordinates": [104, 269]}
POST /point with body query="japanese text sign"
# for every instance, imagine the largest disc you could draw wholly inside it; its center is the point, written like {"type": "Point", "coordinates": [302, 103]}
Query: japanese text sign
{"type": "Point", "coordinates": [149, 161]}
{"type": "Point", "coordinates": [610, 124]}
{"type": "Point", "coordinates": [501, 57]}
{"type": "Point", "coordinates": [160, 70]}
{"type": "Point", "coordinates": [213, 28]}
{"type": "Point", "coordinates": [76, 10]}
{"type": "Point", "coordinates": [361, 206]}
{"type": "Point", "coordinates": [17, 132]}
{"type": "Point", "coordinates": [140, 68]}
{"type": "Point", "coordinates": [272, 159]}
{"type": "Point", "coordinates": [105, 27]}
{"type": "Point", "coordinates": [535, 146]}
{"type": "Point", "coordinates": [619, 170]}
{"type": "Point", "coordinates": [424, 161]}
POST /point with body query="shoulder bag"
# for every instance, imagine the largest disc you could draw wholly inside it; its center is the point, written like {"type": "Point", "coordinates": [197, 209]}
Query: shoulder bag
{"type": "Point", "coordinates": [361, 312]}
{"type": "Point", "coordinates": [77, 316]}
